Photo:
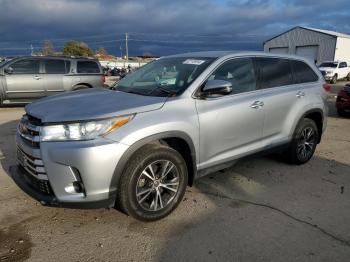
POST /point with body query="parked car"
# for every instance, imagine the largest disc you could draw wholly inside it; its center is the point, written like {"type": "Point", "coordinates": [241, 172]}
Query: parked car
{"type": "Point", "coordinates": [24, 79]}
{"type": "Point", "coordinates": [335, 70]}
{"type": "Point", "coordinates": [343, 100]}
{"type": "Point", "coordinates": [138, 147]}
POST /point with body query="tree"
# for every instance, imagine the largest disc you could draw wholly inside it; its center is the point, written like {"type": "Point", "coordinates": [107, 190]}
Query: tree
{"type": "Point", "coordinates": [48, 48]}
{"type": "Point", "coordinates": [101, 51]}
{"type": "Point", "coordinates": [74, 48]}
{"type": "Point", "coordinates": [147, 55]}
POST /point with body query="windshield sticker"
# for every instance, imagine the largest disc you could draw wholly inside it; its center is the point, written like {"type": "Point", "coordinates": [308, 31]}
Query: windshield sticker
{"type": "Point", "coordinates": [193, 62]}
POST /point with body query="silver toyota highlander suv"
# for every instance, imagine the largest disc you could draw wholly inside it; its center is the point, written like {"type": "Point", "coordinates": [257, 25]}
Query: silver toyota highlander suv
{"type": "Point", "coordinates": [25, 79]}
{"type": "Point", "coordinates": [165, 125]}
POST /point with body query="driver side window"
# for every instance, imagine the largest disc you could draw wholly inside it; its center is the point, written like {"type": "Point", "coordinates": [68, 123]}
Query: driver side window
{"type": "Point", "coordinates": [239, 72]}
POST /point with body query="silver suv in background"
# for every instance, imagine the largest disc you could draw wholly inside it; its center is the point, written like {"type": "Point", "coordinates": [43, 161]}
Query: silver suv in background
{"type": "Point", "coordinates": [167, 124]}
{"type": "Point", "coordinates": [24, 79]}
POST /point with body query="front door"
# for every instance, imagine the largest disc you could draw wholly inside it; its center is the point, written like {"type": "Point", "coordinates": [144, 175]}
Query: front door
{"type": "Point", "coordinates": [231, 126]}
{"type": "Point", "coordinates": [23, 80]}
{"type": "Point", "coordinates": [343, 70]}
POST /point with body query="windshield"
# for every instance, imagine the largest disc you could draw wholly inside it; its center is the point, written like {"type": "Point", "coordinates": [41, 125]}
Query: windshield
{"type": "Point", "coordinates": [164, 77]}
{"type": "Point", "coordinates": [329, 64]}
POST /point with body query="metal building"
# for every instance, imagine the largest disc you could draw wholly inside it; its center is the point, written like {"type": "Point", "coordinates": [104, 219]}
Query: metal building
{"type": "Point", "coordinates": [316, 44]}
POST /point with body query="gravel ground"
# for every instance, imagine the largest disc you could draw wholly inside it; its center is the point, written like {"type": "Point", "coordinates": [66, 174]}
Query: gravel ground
{"type": "Point", "coordinates": [259, 210]}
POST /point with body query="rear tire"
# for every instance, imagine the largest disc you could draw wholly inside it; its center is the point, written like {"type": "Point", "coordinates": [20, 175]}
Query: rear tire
{"type": "Point", "coordinates": [348, 77]}
{"type": "Point", "coordinates": [144, 192]}
{"type": "Point", "coordinates": [304, 143]}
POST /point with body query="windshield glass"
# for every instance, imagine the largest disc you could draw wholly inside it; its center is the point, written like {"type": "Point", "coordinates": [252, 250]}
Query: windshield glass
{"type": "Point", "coordinates": [329, 64]}
{"type": "Point", "coordinates": [164, 77]}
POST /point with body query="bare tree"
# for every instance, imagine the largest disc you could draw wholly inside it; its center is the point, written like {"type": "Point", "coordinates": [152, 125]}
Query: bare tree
{"type": "Point", "coordinates": [48, 48]}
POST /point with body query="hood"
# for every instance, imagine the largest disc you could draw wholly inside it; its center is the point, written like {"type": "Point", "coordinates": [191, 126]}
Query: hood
{"type": "Point", "coordinates": [326, 68]}
{"type": "Point", "coordinates": [90, 104]}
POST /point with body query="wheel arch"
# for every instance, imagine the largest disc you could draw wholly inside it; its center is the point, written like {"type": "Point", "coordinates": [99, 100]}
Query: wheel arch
{"type": "Point", "coordinates": [315, 115]}
{"type": "Point", "coordinates": [174, 139]}
{"type": "Point", "coordinates": [81, 84]}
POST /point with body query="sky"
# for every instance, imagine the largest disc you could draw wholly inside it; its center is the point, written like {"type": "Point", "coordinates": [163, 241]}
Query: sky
{"type": "Point", "coordinates": [161, 27]}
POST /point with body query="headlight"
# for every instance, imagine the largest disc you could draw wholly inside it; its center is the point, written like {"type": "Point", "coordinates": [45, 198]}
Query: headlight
{"type": "Point", "coordinates": [329, 72]}
{"type": "Point", "coordinates": [83, 131]}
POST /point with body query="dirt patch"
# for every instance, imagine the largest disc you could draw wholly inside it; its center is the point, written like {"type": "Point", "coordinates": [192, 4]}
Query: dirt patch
{"type": "Point", "coordinates": [15, 242]}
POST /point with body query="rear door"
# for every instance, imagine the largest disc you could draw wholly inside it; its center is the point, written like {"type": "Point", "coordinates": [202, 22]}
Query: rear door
{"type": "Point", "coordinates": [231, 125]}
{"type": "Point", "coordinates": [54, 69]}
{"type": "Point", "coordinates": [89, 72]}
{"type": "Point", "coordinates": [279, 95]}
{"type": "Point", "coordinates": [25, 82]}
{"type": "Point", "coordinates": [286, 85]}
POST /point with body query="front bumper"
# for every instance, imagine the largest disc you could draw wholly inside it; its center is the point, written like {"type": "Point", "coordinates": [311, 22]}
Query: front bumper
{"type": "Point", "coordinates": [90, 163]}
{"type": "Point", "coordinates": [19, 176]}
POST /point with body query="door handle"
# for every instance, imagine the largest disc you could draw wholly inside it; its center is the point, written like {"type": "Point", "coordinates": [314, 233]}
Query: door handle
{"type": "Point", "coordinates": [257, 104]}
{"type": "Point", "coordinates": [37, 77]}
{"type": "Point", "coordinates": [300, 94]}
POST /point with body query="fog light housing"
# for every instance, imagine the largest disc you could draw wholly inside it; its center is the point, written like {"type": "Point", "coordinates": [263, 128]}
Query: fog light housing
{"type": "Point", "coordinates": [78, 187]}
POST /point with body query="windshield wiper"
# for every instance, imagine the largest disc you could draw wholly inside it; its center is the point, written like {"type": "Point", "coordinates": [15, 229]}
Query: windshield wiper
{"type": "Point", "coordinates": [159, 87]}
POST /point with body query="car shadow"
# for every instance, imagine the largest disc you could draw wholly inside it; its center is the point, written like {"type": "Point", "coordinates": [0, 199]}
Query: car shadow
{"type": "Point", "coordinates": [8, 145]}
{"type": "Point", "coordinates": [262, 210]}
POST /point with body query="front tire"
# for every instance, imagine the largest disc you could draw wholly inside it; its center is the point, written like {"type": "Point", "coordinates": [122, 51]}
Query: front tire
{"type": "Point", "coordinates": [334, 79]}
{"type": "Point", "coordinates": [304, 143]}
{"type": "Point", "coordinates": [153, 183]}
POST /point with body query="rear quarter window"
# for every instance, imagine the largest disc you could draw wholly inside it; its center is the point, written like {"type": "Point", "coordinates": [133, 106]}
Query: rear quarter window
{"type": "Point", "coordinates": [303, 72]}
{"type": "Point", "coordinates": [88, 67]}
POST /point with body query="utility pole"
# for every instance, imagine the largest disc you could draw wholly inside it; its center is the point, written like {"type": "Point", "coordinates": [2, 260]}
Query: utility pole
{"type": "Point", "coordinates": [31, 50]}
{"type": "Point", "coordinates": [126, 47]}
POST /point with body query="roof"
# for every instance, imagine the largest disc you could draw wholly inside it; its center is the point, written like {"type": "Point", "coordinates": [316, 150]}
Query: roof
{"type": "Point", "coordinates": [213, 54]}
{"type": "Point", "coordinates": [327, 32]}
{"type": "Point", "coordinates": [228, 54]}
{"type": "Point", "coordinates": [55, 57]}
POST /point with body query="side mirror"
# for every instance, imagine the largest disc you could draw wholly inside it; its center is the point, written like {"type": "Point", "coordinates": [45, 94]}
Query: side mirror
{"type": "Point", "coordinates": [8, 70]}
{"type": "Point", "coordinates": [215, 88]}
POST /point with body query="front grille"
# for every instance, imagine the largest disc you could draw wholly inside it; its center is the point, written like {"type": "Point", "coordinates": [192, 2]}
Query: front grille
{"type": "Point", "coordinates": [41, 185]}
{"type": "Point", "coordinates": [29, 130]}
{"type": "Point", "coordinates": [34, 120]}
{"type": "Point", "coordinates": [34, 166]}
{"type": "Point", "coordinates": [35, 172]}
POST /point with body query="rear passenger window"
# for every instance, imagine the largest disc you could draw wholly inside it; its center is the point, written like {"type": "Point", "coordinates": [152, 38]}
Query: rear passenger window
{"type": "Point", "coordinates": [55, 66]}
{"type": "Point", "coordinates": [240, 72]}
{"type": "Point", "coordinates": [28, 66]}
{"type": "Point", "coordinates": [87, 67]}
{"type": "Point", "coordinates": [274, 72]}
{"type": "Point", "coordinates": [303, 73]}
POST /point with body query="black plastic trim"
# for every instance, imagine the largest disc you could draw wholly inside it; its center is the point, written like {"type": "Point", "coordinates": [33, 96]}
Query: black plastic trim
{"type": "Point", "coordinates": [17, 175]}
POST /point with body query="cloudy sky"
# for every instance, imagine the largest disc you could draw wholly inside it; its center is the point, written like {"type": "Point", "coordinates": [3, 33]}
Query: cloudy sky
{"type": "Point", "coordinates": [161, 27]}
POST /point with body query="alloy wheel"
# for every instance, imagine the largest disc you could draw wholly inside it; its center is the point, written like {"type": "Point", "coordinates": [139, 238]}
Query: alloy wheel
{"type": "Point", "coordinates": [306, 143]}
{"type": "Point", "coordinates": [157, 185]}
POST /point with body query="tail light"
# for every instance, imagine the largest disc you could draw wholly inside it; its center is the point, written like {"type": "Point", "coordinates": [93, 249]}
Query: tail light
{"type": "Point", "coordinates": [326, 87]}
{"type": "Point", "coordinates": [103, 78]}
